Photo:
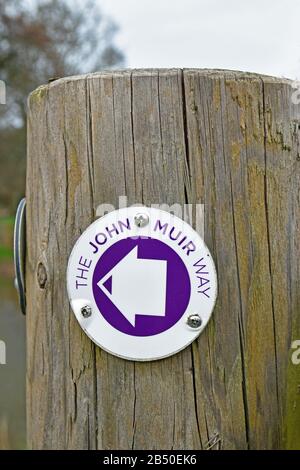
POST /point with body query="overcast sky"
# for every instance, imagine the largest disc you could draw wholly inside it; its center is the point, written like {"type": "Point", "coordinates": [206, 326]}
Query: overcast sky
{"type": "Point", "coordinates": [251, 35]}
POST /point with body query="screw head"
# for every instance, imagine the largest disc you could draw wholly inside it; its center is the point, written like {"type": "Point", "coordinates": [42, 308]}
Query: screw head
{"type": "Point", "coordinates": [141, 220]}
{"type": "Point", "coordinates": [86, 311]}
{"type": "Point", "coordinates": [194, 321]}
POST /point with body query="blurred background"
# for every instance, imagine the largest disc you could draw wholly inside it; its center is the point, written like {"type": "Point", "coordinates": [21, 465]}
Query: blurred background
{"type": "Point", "coordinates": [45, 39]}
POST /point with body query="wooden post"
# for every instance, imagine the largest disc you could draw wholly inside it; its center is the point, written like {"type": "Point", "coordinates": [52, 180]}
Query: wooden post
{"type": "Point", "coordinates": [229, 140]}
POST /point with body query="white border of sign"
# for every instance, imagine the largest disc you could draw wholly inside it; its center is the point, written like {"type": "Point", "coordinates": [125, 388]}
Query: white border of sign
{"type": "Point", "coordinates": [105, 335]}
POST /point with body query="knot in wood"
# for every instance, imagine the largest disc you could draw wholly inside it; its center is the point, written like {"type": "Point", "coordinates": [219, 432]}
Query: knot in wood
{"type": "Point", "coordinates": [41, 275]}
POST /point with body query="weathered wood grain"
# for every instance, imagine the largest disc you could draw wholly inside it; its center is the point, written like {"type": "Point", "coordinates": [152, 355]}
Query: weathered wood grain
{"type": "Point", "coordinates": [229, 140]}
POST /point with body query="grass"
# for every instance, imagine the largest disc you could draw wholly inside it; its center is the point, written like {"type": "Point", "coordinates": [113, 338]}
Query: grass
{"type": "Point", "coordinates": [8, 219]}
{"type": "Point", "coordinates": [6, 253]}
{"type": "Point", "coordinates": [6, 250]}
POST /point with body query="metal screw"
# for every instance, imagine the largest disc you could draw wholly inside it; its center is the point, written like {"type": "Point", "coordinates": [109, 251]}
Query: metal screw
{"type": "Point", "coordinates": [86, 311]}
{"type": "Point", "coordinates": [141, 220]}
{"type": "Point", "coordinates": [194, 321]}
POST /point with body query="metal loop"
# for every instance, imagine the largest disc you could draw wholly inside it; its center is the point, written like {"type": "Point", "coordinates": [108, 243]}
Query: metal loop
{"type": "Point", "coordinates": [19, 252]}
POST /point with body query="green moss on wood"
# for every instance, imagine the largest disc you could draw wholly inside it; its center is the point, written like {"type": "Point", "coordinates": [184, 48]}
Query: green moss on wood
{"type": "Point", "coordinates": [292, 413]}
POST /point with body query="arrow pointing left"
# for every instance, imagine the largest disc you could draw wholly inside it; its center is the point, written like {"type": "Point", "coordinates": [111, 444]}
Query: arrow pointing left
{"type": "Point", "coordinates": [137, 286]}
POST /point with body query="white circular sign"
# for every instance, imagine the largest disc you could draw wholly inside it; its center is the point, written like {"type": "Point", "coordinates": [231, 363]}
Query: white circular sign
{"type": "Point", "coordinates": [141, 283]}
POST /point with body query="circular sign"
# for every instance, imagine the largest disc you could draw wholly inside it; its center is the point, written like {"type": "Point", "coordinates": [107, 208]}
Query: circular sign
{"type": "Point", "coordinates": [141, 283]}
